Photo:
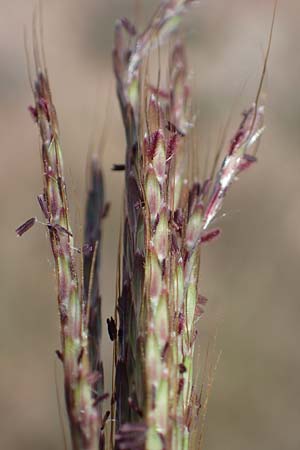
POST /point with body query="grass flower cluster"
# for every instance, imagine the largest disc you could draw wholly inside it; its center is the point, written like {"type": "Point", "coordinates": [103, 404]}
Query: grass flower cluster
{"type": "Point", "coordinates": [168, 216]}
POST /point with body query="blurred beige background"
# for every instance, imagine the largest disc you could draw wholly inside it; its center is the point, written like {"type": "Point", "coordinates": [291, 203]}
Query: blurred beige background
{"type": "Point", "coordinates": [250, 275]}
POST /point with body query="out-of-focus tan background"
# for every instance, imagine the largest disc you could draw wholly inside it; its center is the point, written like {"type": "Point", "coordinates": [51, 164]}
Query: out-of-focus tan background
{"type": "Point", "coordinates": [250, 275]}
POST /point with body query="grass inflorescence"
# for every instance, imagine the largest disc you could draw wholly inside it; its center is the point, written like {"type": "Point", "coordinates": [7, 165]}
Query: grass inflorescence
{"type": "Point", "coordinates": [168, 214]}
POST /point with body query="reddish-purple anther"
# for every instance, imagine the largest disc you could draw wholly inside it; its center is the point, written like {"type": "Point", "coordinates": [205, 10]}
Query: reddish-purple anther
{"type": "Point", "coordinates": [26, 226]}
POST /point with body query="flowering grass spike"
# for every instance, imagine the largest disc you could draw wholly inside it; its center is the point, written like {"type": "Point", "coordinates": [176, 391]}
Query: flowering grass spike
{"type": "Point", "coordinates": [169, 213]}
